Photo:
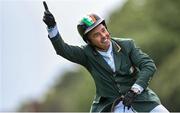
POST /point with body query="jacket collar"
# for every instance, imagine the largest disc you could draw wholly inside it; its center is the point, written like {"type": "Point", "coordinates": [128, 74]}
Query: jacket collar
{"type": "Point", "coordinates": [116, 46]}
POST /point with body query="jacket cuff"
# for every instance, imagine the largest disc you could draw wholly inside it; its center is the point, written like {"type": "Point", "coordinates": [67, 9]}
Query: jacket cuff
{"type": "Point", "coordinates": [52, 32]}
{"type": "Point", "coordinates": [138, 88]}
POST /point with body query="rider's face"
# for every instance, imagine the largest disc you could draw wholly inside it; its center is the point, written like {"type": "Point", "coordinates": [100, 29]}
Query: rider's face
{"type": "Point", "coordinates": [99, 37]}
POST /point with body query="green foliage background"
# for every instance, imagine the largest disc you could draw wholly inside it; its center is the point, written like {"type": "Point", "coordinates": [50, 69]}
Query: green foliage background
{"type": "Point", "coordinates": [155, 27]}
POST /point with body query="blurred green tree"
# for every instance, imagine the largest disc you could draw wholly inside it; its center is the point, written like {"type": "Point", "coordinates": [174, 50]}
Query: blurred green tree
{"type": "Point", "coordinates": [155, 26]}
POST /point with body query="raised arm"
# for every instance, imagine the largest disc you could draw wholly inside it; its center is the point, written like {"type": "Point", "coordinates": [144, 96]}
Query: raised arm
{"type": "Point", "coordinates": [72, 53]}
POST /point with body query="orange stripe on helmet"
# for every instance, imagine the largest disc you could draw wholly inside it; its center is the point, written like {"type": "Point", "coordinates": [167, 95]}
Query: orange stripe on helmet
{"type": "Point", "coordinates": [93, 18]}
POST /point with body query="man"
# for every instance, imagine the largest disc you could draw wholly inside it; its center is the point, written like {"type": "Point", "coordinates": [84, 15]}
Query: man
{"type": "Point", "coordinates": [121, 71]}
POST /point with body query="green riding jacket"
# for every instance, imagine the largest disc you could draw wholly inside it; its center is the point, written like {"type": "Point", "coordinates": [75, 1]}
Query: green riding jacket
{"type": "Point", "coordinates": [109, 84]}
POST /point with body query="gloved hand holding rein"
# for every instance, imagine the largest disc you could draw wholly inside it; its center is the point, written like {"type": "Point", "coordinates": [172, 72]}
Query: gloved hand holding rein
{"type": "Point", "coordinates": [129, 98]}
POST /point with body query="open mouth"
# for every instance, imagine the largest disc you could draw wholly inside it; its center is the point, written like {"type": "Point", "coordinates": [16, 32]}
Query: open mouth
{"type": "Point", "coordinates": [104, 41]}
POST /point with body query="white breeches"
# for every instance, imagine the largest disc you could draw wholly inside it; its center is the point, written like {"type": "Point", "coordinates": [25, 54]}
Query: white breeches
{"type": "Point", "coordinates": [121, 109]}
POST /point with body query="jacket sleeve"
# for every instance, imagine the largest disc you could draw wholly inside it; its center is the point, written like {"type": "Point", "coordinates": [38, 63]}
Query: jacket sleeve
{"type": "Point", "coordinates": [144, 63]}
{"type": "Point", "coordinates": [72, 53]}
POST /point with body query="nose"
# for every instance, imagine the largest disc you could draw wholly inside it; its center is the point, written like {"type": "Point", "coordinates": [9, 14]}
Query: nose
{"type": "Point", "coordinates": [103, 35]}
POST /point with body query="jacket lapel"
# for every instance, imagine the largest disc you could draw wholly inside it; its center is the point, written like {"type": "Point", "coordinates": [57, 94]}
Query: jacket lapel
{"type": "Point", "coordinates": [117, 55]}
{"type": "Point", "coordinates": [99, 59]}
{"type": "Point", "coordinates": [119, 58]}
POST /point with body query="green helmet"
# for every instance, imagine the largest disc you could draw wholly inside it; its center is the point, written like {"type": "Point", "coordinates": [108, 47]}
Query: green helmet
{"type": "Point", "coordinates": [88, 23]}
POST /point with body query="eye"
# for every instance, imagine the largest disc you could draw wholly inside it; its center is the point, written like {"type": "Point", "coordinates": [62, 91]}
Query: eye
{"type": "Point", "coordinates": [103, 30]}
{"type": "Point", "coordinates": [96, 35]}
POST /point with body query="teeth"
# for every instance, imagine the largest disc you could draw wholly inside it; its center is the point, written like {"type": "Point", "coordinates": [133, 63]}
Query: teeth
{"type": "Point", "coordinates": [104, 40]}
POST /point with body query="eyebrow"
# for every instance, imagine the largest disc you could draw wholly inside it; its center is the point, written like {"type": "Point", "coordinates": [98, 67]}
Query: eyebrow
{"type": "Point", "coordinates": [94, 33]}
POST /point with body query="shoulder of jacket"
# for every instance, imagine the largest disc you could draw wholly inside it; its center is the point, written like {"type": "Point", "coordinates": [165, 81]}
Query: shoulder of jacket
{"type": "Point", "coordinates": [85, 47]}
{"type": "Point", "coordinates": [123, 41]}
